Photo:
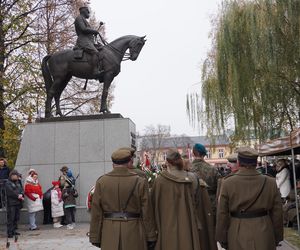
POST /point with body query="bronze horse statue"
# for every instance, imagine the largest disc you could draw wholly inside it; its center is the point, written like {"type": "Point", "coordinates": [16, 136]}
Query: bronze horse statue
{"type": "Point", "coordinates": [59, 68]}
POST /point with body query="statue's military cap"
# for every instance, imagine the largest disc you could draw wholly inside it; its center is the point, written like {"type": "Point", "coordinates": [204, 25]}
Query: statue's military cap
{"type": "Point", "coordinates": [247, 156]}
{"type": "Point", "coordinates": [121, 156]}
{"type": "Point", "coordinates": [232, 158]}
{"type": "Point", "coordinates": [173, 155]}
{"type": "Point", "coordinates": [83, 8]}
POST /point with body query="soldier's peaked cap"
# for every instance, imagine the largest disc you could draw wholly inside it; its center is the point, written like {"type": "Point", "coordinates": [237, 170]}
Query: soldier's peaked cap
{"type": "Point", "coordinates": [232, 158]}
{"type": "Point", "coordinates": [247, 155]}
{"type": "Point", "coordinates": [121, 156]}
{"type": "Point", "coordinates": [173, 155]}
{"type": "Point", "coordinates": [132, 150]}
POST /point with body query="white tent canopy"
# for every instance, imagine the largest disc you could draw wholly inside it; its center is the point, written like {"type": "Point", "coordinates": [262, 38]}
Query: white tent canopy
{"type": "Point", "coordinates": [289, 145]}
{"type": "Point", "coordinates": [281, 146]}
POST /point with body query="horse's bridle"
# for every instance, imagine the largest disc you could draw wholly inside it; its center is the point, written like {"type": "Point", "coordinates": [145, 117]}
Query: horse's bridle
{"type": "Point", "coordinates": [126, 55]}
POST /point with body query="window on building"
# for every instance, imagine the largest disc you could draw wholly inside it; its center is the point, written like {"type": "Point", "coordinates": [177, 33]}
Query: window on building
{"type": "Point", "coordinates": [164, 156]}
{"type": "Point", "coordinates": [208, 154]}
{"type": "Point", "coordinates": [221, 153]}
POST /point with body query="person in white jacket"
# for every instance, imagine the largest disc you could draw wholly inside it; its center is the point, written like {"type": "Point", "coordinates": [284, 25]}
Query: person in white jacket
{"type": "Point", "coordinates": [57, 205]}
{"type": "Point", "coordinates": [283, 178]}
{"type": "Point", "coordinates": [34, 196]}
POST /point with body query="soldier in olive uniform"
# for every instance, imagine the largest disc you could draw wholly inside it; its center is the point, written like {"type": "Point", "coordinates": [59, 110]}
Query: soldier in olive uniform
{"type": "Point", "coordinates": [121, 211]}
{"type": "Point", "coordinates": [249, 210]}
{"type": "Point", "coordinates": [206, 172]}
{"type": "Point", "coordinates": [182, 209]}
{"type": "Point", "coordinates": [85, 40]}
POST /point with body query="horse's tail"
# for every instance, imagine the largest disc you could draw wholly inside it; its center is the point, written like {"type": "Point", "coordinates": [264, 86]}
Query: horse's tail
{"type": "Point", "coordinates": [46, 73]}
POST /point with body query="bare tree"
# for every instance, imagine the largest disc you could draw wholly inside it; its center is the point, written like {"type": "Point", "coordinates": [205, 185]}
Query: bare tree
{"type": "Point", "coordinates": [154, 139]}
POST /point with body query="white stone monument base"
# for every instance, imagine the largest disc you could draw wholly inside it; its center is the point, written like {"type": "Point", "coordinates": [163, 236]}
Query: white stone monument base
{"type": "Point", "coordinates": [82, 143]}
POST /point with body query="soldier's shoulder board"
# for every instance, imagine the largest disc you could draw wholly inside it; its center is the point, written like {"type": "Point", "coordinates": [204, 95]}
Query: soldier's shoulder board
{"type": "Point", "coordinates": [100, 177]}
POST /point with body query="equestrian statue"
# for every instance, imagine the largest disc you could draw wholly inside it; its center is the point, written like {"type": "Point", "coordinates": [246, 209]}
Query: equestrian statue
{"type": "Point", "coordinates": [87, 60]}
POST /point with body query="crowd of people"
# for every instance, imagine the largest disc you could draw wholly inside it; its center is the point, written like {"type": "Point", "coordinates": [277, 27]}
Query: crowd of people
{"type": "Point", "coordinates": [15, 194]}
{"type": "Point", "coordinates": [189, 205]}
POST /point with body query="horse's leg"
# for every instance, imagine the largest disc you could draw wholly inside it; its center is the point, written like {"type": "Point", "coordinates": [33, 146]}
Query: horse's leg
{"type": "Point", "coordinates": [57, 103]}
{"type": "Point", "coordinates": [107, 81]}
{"type": "Point", "coordinates": [58, 94]}
{"type": "Point", "coordinates": [52, 93]}
{"type": "Point", "coordinates": [48, 106]}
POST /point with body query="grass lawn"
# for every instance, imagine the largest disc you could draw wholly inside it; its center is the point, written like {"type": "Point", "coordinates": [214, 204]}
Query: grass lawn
{"type": "Point", "coordinates": [292, 237]}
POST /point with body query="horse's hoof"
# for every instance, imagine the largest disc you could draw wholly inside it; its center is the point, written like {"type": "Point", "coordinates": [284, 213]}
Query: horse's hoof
{"type": "Point", "coordinates": [104, 111]}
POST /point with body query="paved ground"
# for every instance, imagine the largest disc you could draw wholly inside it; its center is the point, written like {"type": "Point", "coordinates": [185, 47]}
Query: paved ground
{"type": "Point", "coordinates": [59, 239]}
{"type": "Point", "coordinates": [49, 238]}
{"type": "Point", "coordinates": [284, 246]}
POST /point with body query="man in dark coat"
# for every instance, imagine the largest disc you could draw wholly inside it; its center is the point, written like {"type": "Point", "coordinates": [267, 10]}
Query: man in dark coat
{"type": "Point", "coordinates": [4, 173]}
{"type": "Point", "coordinates": [4, 170]}
{"type": "Point", "coordinates": [249, 215]}
{"type": "Point", "coordinates": [85, 39]}
{"type": "Point", "coordinates": [121, 213]}
{"type": "Point", "coordinates": [14, 201]}
{"type": "Point", "coordinates": [206, 172]}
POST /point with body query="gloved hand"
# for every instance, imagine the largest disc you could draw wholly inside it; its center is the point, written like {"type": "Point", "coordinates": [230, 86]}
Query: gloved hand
{"type": "Point", "coordinates": [151, 245]}
{"type": "Point", "coordinates": [224, 245]}
{"type": "Point", "coordinates": [96, 245]}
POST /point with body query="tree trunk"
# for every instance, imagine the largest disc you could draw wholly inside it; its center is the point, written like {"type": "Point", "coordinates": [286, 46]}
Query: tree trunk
{"type": "Point", "coordinates": [2, 59]}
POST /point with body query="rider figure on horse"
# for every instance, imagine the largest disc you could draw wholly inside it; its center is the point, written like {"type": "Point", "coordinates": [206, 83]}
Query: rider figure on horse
{"type": "Point", "coordinates": [85, 40]}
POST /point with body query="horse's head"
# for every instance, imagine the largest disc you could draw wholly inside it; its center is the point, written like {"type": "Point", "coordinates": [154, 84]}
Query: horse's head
{"type": "Point", "coordinates": [135, 47]}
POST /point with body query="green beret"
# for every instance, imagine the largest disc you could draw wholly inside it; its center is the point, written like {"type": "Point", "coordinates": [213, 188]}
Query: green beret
{"type": "Point", "coordinates": [232, 158]}
{"type": "Point", "coordinates": [200, 149]}
{"type": "Point", "coordinates": [121, 156]}
{"type": "Point", "coordinates": [247, 156]}
{"type": "Point", "coordinates": [173, 155]}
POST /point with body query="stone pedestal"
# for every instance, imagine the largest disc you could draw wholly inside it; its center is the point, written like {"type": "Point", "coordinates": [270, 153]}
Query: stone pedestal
{"type": "Point", "coordinates": [83, 143]}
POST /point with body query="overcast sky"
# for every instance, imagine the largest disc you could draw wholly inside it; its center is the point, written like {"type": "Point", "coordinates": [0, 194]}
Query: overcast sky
{"type": "Point", "coordinates": [152, 90]}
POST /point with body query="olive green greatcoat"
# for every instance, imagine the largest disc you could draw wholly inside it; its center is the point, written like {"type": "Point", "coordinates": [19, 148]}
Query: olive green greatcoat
{"type": "Point", "coordinates": [182, 212]}
{"type": "Point", "coordinates": [238, 192]}
{"type": "Point", "coordinates": [111, 193]}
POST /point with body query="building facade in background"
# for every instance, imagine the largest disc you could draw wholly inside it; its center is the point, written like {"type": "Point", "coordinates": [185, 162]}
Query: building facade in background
{"type": "Point", "coordinates": [153, 149]}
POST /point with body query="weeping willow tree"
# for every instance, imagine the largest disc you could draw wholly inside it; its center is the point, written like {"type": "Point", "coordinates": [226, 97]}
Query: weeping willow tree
{"type": "Point", "coordinates": [250, 78]}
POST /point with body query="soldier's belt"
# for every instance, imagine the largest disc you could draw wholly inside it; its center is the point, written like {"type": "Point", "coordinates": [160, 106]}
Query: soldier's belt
{"type": "Point", "coordinates": [121, 215]}
{"type": "Point", "coordinates": [249, 215]}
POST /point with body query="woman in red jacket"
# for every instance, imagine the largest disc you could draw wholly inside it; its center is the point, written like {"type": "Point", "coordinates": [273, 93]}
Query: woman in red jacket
{"type": "Point", "coordinates": [34, 194]}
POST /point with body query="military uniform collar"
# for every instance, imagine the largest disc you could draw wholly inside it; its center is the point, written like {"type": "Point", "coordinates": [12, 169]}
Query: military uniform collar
{"type": "Point", "coordinates": [121, 171]}
{"type": "Point", "coordinates": [171, 176]}
{"type": "Point", "coordinates": [199, 160]}
{"type": "Point", "coordinates": [247, 171]}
